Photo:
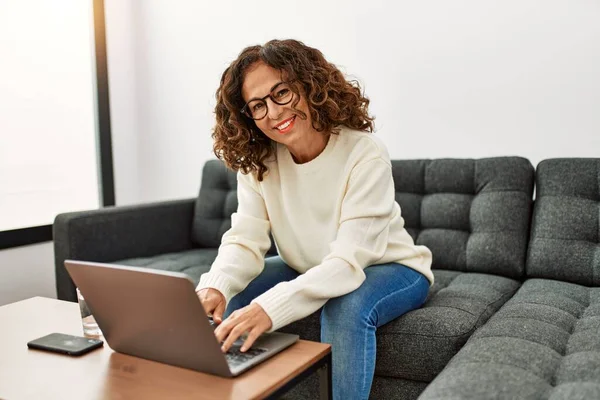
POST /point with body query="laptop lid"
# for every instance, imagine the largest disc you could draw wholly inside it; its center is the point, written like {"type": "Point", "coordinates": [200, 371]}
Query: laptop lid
{"type": "Point", "coordinates": [150, 314]}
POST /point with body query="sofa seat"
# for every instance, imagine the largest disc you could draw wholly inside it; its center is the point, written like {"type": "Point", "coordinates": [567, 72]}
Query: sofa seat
{"type": "Point", "coordinates": [414, 348]}
{"type": "Point", "coordinates": [419, 344]}
{"type": "Point", "coordinates": [190, 262]}
{"type": "Point", "coordinates": [544, 343]}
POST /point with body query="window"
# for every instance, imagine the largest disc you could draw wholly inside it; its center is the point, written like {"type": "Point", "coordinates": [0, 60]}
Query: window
{"type": "Point", "coordinates": [54, 124]}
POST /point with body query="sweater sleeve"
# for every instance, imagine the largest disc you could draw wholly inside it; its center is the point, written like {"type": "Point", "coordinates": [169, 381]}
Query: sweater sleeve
{"type": "Point", "coordinates": [243, 247]}
{"type": "Point", "coordinates": [362, 238]}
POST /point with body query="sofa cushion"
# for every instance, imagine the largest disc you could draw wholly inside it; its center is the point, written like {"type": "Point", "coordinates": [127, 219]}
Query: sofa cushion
{"type": "Point", "coordinates": [473, 214]}
{"type": "Point", "coordinates": [565, 237]}
{"type": "Point", "coordinates": [191, 262]}
{"type": "Point", "coordinates": [543, 343]}
{"type": "Point", "coordinates": [419, 344]}
{"type": "Point", "coordinates": [216, 202]}
{"type": "Point", "coordinates": [384, 388]}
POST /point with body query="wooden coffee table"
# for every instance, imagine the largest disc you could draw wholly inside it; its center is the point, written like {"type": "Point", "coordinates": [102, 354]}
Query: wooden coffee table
{"type": "Point", "coordinates": [105, 374]}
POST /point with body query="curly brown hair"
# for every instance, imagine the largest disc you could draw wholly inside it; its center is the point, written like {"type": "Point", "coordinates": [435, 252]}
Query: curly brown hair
{"type": "Point", "coordinates": [331, 100]}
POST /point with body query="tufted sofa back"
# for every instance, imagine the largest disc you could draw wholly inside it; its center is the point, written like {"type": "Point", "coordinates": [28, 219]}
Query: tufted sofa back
{"type": "Point", "coordinates": [473, 214]}
{"type": "Point", "coordinates": [565, 235]}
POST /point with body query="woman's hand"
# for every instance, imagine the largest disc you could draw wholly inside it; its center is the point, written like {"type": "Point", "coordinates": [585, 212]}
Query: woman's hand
{"type": "Point", "coordinates": [213, 302]}
{"type": "Point", "coordinates": [251, 319]}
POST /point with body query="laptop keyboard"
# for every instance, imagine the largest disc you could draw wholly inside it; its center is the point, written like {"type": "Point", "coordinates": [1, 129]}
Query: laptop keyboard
{"type": "Point", "coordinates": [235, 356]}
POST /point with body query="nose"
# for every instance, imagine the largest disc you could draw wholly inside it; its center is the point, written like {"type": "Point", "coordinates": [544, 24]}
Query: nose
{"type": "Point", "coordinates": [274, 109]}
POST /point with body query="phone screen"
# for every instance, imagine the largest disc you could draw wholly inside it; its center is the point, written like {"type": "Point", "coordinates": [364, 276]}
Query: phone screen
{"type": "Point", "coordinates": [65, 344]}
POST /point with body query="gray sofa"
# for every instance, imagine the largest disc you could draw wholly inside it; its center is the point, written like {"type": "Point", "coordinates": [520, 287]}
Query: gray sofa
{"type": "Point", "coordinates": [514, 312]}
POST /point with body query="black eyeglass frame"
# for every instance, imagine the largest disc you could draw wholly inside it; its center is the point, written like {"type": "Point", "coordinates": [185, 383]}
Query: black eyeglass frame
{"type": "Point", "coordinates": [244, 110]}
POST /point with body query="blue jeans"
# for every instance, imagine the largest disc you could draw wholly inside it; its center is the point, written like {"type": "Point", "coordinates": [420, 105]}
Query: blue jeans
{"type": "Point", "coordinates": [349, 322]}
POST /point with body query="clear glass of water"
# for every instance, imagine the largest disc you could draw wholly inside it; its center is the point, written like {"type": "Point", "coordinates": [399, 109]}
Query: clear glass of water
{"type": "Point", "coordinates": [90, 327]}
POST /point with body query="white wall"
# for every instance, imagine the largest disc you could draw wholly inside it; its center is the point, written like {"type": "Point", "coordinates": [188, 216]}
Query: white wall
{"type": "Point", "coordinates": [446, 79]}
{"type": "Point", "coordinates": [26, 272]}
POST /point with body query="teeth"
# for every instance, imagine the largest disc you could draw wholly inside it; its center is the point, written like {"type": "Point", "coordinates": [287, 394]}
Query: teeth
{"type": "Point", "coordinates": [280, 127]}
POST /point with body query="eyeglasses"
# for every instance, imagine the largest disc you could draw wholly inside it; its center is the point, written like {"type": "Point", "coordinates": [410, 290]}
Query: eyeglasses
{"type": "Point", "coordinates": [281, 94]}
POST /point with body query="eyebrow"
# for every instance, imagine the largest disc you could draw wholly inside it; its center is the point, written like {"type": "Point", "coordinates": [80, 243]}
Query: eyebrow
{"type": "Point", "coordinates": [270, 90]}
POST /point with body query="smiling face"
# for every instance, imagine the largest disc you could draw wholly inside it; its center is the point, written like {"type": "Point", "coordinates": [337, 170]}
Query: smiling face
{"type": "Point", "coordinates": [282, 123]}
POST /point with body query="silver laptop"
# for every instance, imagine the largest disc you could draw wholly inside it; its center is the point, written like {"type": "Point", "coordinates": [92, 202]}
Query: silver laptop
{"type": "Point", "coordinates": [157, 315]}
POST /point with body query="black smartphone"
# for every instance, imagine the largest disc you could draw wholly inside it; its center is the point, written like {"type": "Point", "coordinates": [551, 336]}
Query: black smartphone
{"type": "Point", "coordinates": [65, 344]}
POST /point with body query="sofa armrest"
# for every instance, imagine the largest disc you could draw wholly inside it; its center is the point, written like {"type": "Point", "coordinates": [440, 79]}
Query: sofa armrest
{"type": "Point", "coordinates": [115, 233]}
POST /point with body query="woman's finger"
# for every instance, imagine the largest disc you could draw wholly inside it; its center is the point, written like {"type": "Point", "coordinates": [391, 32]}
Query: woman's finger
{"type": "Point", "coordinates": [223, 329]}
{"type": "Point", "coordinates": [252, 336]}
{"type": "Point", "coordinates": [234, 334]}
{"type": "Point", "coordinates": [226, 326]}
{"type": "Point", "coordinates": [209, 306]}
{"type": "Point", "coordinates": [218, 312]}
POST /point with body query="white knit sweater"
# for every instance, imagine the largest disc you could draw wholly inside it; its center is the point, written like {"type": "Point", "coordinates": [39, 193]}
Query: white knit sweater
{"type": "Point", "coordinates": [330, 218]}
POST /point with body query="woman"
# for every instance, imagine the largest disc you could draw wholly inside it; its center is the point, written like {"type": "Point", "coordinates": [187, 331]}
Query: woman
{"type": "Point", "coordinates": [310, 173]}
